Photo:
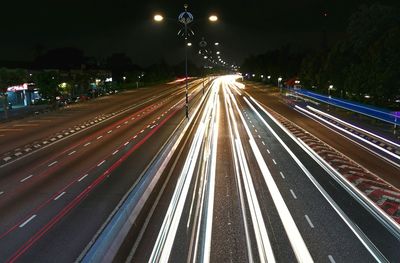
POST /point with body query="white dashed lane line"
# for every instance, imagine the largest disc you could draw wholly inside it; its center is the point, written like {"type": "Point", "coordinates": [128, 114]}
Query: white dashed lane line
{"type": "Point", "coordinates": [101, 163]}
{"type": "Point", "coordinates": [110, 131]}
{"type": "Point", "coordinates": [259, 136]}
{"type": "Point", "coordinates": [83, 177]}
{"type": "Point", "coordinates": [282, 175]}
{"type": "Point", "coordinates": [115, 152]}
{"type": "Point", "coordinates": [71, 153]}
{"type": "Point", "coordinates": [273, 160]}
{"type": "Point", "coordinates": [293, 194]}
{"type": "Point", "coordinates": [86, 144]}
{"type": "Point", "coordinates": [263, 142]}
{"type": "Point", "coordinates": [309, 221]}
{"type": "Point", "coordinates": [26, 178]}
{"type": "Point", "coordinates": [141, 131]}
{"type": "Point", "coordinates": [125, 144]}
{"type": "Point", "coordinates": [27, 221]}
{"type": "Point", "coordinates": [53, 163]}
{"type": "Point", "coordinates": [101, 136]}
{"type": "Point", "coordinates": [331, 259]}
{"type": "Point", "coordinates": [1, 192]}
{"type": "Point", "coordinates": [58, 196]}
{"type": "Point", "coordinates": [119, 126]}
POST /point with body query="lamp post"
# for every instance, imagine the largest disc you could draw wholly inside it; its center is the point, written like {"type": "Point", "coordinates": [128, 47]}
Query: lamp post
{"type": "Point", "coordinates": [203, 45]}
{"type": "Point", "coordinates": [186, 18]}
{"type": "Point", "coordinates": [279, 84]}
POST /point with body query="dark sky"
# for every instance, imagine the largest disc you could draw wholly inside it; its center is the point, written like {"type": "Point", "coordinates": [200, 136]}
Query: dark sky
{"type": "Point", "coordinates": [102, 27]}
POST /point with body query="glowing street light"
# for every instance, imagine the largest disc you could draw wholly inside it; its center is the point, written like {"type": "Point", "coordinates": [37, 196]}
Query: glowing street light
{"type": "Point", "coordinates": [213, 18]}
{"type": "Point", "coordinates": [189, 44]}
{"type": "Point", "coordinates": [216, 43]}
{"type": "Point", "coordinates": [158, 18]}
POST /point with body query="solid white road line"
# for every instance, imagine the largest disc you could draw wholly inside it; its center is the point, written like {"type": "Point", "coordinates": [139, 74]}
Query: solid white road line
{"type": "Point", "coordinates": [58, 196]}
{"type": "Point", "coordinates": [309, 221]}
{"type": "Point", "coordinates": [26, 178]}
{"type": "Point", "coordinates": [27, 221]}
{"type": "Point", "coordinates": [358, 233]}
{"type": "Point", "coordinates": [296, 240]}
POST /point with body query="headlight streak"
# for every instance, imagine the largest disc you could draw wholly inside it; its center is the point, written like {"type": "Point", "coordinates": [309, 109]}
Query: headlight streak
{"type": "Point", "coordinates": [354, 228]}
{"type": "Point", "coordinates": [299, 247]}
{"type": "Point", "coordinates": [163, 245]}
{"type": "Point", "coordinates": [263, 244]}
{"type": "Point", "coordinates": [329, 126]}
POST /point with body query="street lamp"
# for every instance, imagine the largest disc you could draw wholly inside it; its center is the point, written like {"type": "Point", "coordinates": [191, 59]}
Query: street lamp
{"type": "Point", "coordinates": [216, 43]}
{"type": "Point", "coordinates": [329, 90]}
{"type": "Point", "coordinates": [213, 18]}
{"type": "Point", "coordinates": [279, 86]}
{"type": "Point", "coordinates": [186, 18]}
{"type": "Point", "coordinates": [189, 44]}
{"type": "Point", "coordinates": [158, 18]}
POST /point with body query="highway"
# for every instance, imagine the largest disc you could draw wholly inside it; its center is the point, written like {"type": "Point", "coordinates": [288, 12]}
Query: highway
{"type": "Point", "coordinates": [54, 199]}
{"type": "Point", "coordinates": [266, 199]}
{"type": "Point", "coordinates": [230, 184]}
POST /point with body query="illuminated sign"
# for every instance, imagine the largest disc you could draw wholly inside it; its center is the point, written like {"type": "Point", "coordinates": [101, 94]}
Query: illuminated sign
{"type": "Point", "coordinates": [18, 87]}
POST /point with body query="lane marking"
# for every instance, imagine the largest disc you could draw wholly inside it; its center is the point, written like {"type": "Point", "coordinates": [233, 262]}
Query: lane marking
{"type": "Point", "coordinates": [263, 142]}
{"type": "Point", "coordinates": [293, 194]}
{"type": "Point", "coordinates": [331, 259]}
{"type": "Point", "coordinates": [26, 178]}
{"type": "Point", "coordinates": [259, 136]}
{"type": "Point", "coordinates": [1, 192]}
{"type": "Point", "coordinates": [110, 131]}
{"type": "Point", "coordinates": [101, 163]}
{"type": "Point", "coordinates": [58, 196]}
{"type": "Point", "coordinates": [71, 153]}
{"type": "Point", "coordinates": [27, 221]}
{"type": "Point", "coordinates": [141, 131]}
{"type": "Point", "coordinates": [101, 136]}
{"type": "Point", "coordinates": [273, 160]}
{"type": "Point", "coordinates": [6, 130]}
{"type": "Point", "coordinates": [309, 221]}
{"type": "Point", "coordinates": [125, 144]}
{"type": "Point", "coordinates": [115, 152]}
{"type": "Point", "coordinates": [283, 176]}
{"type": "Point", "coordinates": [268, 151]}
{"type": "Point", "coordinates": [358, 233]}
{"type": "Point", "coordinates": [119, 126]}
{"type": "Point", "coordinates": [83, 177]}
{"type": "Point", "coordinates": [86, 144]}
{"type": "Point", "coordinates": [53, 163]}
{"type": "Point", "coordinates": [26, 125]}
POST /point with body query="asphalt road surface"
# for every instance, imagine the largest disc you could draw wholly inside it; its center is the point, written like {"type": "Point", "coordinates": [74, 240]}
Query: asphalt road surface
{"type": "Point", "coordinates": [238, 187]}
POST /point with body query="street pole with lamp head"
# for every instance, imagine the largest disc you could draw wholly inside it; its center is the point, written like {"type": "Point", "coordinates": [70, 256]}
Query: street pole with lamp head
{"type": "Point", "coordinates": [203, 45]}
{"type": "Point", "coordinates": [186, 18]}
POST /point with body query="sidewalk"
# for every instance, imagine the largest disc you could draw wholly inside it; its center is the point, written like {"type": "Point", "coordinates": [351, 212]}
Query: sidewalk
{"type": "Point", "coordinates": [22, 112]}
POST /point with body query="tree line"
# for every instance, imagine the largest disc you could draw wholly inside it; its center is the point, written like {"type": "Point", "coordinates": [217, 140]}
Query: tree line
{"type": "Point", "coordinates": [363, 66]}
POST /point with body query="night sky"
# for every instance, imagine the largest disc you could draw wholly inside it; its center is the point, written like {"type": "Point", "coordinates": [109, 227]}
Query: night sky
{"type": "Point", "coordinates": [103, 27]}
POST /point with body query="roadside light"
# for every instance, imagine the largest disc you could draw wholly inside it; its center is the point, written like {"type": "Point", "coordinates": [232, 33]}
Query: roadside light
{"type": "Point", "coordinates": [213, 18]}
{"type": "Point", "coordinates": [216, 43]}
{"type": "Point", "coordinates": [189, 44]}
{"type": "Point", "coordinates": [158, 18]}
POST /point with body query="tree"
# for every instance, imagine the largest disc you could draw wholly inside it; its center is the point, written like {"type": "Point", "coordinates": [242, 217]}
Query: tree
{"type": "Point", "coordinates": [47, 83]}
